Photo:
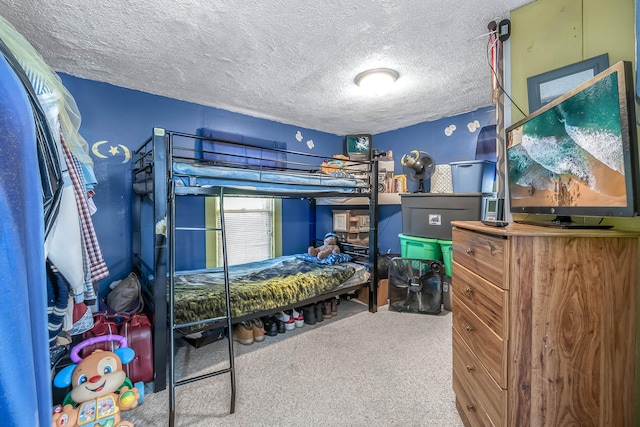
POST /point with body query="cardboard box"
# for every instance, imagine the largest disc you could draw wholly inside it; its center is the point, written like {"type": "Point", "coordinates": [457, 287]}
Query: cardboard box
{"type": "Point", "coordinates": [383, 293]}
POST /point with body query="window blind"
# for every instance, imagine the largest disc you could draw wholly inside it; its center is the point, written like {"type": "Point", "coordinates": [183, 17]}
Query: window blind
{"type": "Point", "coordinates": [249, 228]}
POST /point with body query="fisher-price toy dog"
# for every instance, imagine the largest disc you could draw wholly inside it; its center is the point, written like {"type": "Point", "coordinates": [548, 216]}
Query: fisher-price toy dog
{"type": "Point", "coordinates": [100, 388]}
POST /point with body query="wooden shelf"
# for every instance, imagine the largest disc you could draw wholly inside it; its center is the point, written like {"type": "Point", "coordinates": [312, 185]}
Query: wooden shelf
{"type": "Point", "coordinates": [383, 199]}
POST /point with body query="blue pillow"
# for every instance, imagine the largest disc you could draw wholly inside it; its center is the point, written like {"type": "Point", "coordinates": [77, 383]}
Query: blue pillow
{"type": "Point", "coordinates": [331, 259]}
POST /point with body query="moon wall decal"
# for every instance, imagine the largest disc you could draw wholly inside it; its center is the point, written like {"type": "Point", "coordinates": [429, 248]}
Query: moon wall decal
{"type": "Point", "coordinates": [96, 147]}
{"type": "Point", "coordinates": [127, 153]}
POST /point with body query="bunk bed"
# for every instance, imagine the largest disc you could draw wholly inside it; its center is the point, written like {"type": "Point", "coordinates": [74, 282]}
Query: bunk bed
{"type": "Point", "coordinates": [215, 164]}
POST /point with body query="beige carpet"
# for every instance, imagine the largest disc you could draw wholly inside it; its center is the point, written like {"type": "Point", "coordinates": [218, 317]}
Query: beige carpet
{"type": "Point", "coordinates": [382, 369]}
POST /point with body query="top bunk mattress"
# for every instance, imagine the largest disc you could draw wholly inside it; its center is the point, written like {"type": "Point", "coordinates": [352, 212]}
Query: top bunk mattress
{"type": "Point", "coordinates": [204, 175]}
{"type": "Point", "coordinates": [214, 159]}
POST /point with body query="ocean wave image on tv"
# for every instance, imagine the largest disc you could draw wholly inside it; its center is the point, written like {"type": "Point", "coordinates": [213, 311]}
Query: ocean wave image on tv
{"type": "Point", "coordinates": [571, 154]}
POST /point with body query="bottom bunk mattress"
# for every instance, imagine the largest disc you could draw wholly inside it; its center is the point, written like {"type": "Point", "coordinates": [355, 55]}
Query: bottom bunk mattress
{"type": "Point", "coordinates": [259, 286]}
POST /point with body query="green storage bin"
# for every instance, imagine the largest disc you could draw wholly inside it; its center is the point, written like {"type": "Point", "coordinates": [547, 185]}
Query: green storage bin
{"type": "Point", "coordinates": [447, 255]}
{"type": "Point", "coordinates": [419, 247]}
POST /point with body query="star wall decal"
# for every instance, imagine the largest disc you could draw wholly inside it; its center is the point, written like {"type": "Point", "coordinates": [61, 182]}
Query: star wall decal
{"type": "Point", "coordinates": [114, 150]}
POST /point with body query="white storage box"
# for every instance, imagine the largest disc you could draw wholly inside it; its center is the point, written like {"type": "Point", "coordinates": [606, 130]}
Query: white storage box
{"type": "Point", "coordinates": [441, 180]}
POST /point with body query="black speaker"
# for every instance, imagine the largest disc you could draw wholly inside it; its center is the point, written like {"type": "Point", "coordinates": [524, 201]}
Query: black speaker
{"type": "Point", "coordinates": [382, 186]}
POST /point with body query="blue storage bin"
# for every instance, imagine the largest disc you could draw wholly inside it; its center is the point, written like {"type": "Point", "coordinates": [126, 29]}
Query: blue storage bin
{"type": "Point", "coordinates": [473, 176]}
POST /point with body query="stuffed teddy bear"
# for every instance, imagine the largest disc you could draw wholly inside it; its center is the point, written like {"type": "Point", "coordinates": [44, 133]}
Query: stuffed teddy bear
{"type": "Point", "coordinates": [330, 246]}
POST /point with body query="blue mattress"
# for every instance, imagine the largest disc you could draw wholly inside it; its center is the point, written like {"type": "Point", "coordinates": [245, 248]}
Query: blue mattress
{"type": "Point", "coordinates": [201, 175]}
{"type": "Point", "coordinates": [263, 168]}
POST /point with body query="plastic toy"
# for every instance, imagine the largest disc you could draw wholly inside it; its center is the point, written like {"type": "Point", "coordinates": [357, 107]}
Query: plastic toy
{"type": "Point", "coordinates": [335, 164]}
{"type": "Point", "coordinates": [100, 387]}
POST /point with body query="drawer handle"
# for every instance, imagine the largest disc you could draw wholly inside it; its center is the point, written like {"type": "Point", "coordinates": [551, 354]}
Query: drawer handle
{"type": "Point", "coordinates": [469, 368]}
{"type": "Point", "coordinates": [468, 290]}
{"type": "Point", "coordinates": [469, 251]}
{"type": "Point", "coordinates": [469, 328]}
{"type": "Point", "coordinates": [470, 407]}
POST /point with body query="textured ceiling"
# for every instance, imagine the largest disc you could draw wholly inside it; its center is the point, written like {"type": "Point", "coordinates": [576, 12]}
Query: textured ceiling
{"type": "Point", "coordinates": [289, 61]}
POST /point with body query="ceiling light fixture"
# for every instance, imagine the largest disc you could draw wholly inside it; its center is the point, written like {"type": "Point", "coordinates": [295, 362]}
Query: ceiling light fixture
{"type": "Point", "coordinates": [377, 80]}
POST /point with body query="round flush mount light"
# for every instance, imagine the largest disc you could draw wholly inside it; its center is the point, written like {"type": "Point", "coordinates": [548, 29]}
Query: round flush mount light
{"type": "Point", "coordinates": [377, 80]}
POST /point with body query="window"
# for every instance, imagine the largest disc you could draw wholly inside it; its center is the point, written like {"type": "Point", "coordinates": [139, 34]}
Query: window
{"type": "Point", "coordinates": [251, 230]}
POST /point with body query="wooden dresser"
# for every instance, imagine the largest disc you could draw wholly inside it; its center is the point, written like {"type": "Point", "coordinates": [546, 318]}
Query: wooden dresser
{"type": "Point", "coordinates": [544, 325]}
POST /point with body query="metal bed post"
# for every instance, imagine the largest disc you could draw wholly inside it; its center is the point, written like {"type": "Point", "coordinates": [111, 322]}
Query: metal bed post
{"type": "Point", "coordinates": [373, 238]}
{"type": "Point", "coordinates": [312, 220]}
{"type": "Point", "coordinates": [172, 271]}
{"type": "Point", "coordinates": [160, 195]}
{"type": "Point", "coordinates": [227, 288]}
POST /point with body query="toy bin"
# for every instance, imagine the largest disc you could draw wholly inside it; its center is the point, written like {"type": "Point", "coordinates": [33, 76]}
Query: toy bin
{"type": "Point", "coordinates": [447, 256]}
{"type": "Point", "coordinates": [446, 249]}
{"type": "Point", "coordinates": [419, 247]}
{"type": "Point", "coordinates": [473, 176]}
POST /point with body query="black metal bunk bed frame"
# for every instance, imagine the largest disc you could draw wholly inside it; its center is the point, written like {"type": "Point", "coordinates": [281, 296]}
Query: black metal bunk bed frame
{"type": "Point", "coordinates": [154, 160]}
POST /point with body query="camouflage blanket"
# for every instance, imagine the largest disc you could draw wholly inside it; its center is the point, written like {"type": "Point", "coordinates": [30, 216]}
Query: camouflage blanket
{"type": "Point", "coordinates": [255, 287]}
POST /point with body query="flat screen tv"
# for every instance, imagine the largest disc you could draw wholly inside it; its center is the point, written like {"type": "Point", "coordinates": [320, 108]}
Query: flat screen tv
{"type": "Point", "coordinates": [577, 156]}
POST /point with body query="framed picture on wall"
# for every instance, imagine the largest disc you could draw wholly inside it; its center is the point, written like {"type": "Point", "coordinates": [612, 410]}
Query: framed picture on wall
{"type": "Point", "coordinates": [358, 146]}
{"type": "Point", "coordinates": [340, 221]}
{"type": "Point", "coordinates": [546, 87]}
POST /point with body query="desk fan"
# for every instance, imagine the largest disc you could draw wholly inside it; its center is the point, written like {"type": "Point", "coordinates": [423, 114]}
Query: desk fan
{"type": "Point", "coordinates": [418, 166]}
{"type": "Point", "coordinates": [415, 285]}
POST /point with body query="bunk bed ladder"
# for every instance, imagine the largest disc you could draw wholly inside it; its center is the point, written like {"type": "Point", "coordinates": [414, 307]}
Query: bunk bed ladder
{"type": "Point", "coordinates": [173, 383]}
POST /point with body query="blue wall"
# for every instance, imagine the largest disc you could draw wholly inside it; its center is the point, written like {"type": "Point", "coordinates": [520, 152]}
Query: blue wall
{"type": "Point", "coordinates": [126, 117]}
{"type": "Point", "coordinates": [460, 145]}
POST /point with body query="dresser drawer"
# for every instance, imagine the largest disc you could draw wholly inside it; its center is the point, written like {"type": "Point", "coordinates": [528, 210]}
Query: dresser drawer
{"type": "Point", "coordinates": [481, 389]}
{"type": "Point", "coordinates": [481, 253]}
{"type": "Point", "coordinates": [486, 300]}
{"type": "Point", "coordinates": [468, 406]}
{"type": "Point", "coordinates": [486, 344]}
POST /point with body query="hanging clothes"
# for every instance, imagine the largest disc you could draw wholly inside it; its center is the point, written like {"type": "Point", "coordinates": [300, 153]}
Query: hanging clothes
{"type": "Point", "coordinates": [44, 81]}
{"type": "Point", "coordinates": [71, 243]}
{"type": "Point", "coordinates": [25, 383]}
{"type": "Point", "coordinates": [48, 161]}
{"type": "Point", "coordinates": [58, 299]}
{"type": "Point", "coordinates": [97, 265]}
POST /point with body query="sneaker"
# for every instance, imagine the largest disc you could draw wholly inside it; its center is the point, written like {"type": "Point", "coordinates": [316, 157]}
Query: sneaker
{"type": "Point", "coordinates": [309, 314]}
{"type": "Point", "coordinates": [279, 324]}
{"type": "Point", "coordinates": [243, 332]}
{"type": "Point", "coordinates": [298, 317]}
{"type": "Point", "coordinates": [270, 326]}
{"type": "Point", "coordinates": [258, 330]}
{"type": "Point", "coordinates": [317, 310]}
{"type": "Point", "coordinates": [289, 322]}
{"type": "Point", "coordinates": [326, 309]}
{"type": "Point", "coordinates": [334, 307]}
{"type": "Point", "coordinates": [55, 354]}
